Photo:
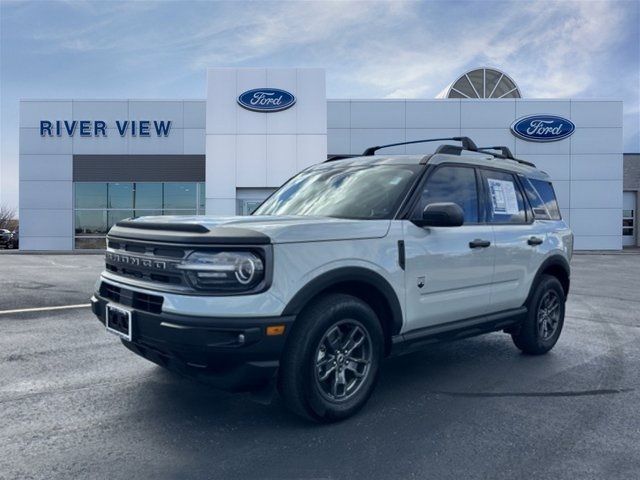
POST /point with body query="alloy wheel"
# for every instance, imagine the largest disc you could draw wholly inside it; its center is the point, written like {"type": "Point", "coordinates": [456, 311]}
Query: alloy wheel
{"type": "Point", "coordinates": [548, 315]}
{"type": "Point", "coordinates": [343, 360]}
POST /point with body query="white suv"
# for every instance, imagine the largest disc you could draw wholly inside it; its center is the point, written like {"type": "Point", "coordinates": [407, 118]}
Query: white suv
{"type": "Point", "coordinates": [350, 261]}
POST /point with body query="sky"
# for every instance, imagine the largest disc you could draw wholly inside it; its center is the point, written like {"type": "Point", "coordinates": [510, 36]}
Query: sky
{"type": "Point", "coordinates": [147, 49]}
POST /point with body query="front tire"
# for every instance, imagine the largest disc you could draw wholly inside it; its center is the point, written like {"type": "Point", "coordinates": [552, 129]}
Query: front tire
{"type": "Point", "coordinates": [541, 329]}
{"type": "Point", "coordinates": [331, 361]}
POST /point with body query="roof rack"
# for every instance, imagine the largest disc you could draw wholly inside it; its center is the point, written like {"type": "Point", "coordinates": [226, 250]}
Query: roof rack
{"type": "Point", "coordinates": [505, 153]}
{"type": "Point", "coordinates": [331, 158]}
{"type": "Point", "coordinates": [467, 144]}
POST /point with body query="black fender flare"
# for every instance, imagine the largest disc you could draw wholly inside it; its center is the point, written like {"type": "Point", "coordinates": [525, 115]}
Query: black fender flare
{"type": "Point", "coordinates": [360, 275]}
{"type": "Point", "coordinates": [555, 260]}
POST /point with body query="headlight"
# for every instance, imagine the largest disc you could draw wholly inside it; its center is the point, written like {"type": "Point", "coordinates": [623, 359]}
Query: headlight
{"type": "Point", "coordinates": [223, 271]}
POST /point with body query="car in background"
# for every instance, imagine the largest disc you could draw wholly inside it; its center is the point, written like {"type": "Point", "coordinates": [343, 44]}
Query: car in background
{"type": "Point", "coordinates": [8, 239]}
{"type": "Point", "coordinates": [5, 237]}
{"type": "Point", "coordinates": [15, 239]}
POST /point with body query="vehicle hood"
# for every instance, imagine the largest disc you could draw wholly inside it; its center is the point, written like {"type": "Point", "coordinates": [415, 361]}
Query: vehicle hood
{"type": "Point", "coordinates": [284, 229]}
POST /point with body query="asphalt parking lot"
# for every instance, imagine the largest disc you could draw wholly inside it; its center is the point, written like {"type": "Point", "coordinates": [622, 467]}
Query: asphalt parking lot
{"type": "Point", "coordinates": [74, 403]}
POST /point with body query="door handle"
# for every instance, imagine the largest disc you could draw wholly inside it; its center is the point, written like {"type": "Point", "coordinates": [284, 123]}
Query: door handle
{"type": "Point", "coordinates": [533, 241]}
{"type": "Point", "coordinates": [477, 243]}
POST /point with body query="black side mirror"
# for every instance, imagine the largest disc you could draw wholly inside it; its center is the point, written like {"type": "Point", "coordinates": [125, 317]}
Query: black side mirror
{"type": "Point", "coordinates": [446, 214]}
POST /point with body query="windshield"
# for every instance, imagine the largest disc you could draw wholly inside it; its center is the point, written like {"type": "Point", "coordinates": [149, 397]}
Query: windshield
{"type": "Point", "coordinates": [362, 192]}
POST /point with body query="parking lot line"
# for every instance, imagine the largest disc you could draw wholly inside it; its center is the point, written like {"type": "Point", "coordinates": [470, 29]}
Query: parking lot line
{"type": "Point", "coordinates": [43, 309]}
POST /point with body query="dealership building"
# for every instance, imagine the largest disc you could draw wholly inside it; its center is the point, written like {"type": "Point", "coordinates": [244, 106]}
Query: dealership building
{"type": "Point", "coordinates": [85, 164]}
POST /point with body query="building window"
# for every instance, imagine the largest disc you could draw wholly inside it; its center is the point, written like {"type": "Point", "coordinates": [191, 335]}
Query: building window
{"type": "Point", "coordinates": [98, 206]}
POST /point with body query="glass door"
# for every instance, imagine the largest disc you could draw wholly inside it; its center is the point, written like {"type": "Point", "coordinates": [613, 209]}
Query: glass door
{"type": "Point", "coordinates": [629, 219]}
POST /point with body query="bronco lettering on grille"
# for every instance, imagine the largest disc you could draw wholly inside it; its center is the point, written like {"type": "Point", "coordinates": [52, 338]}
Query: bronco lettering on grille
{"type": "Point", "coordinates": [136, 261]}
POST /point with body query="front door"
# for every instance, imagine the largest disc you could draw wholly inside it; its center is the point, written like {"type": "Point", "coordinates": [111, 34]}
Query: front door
{"type": "Point", "coordinates": [448, 269]}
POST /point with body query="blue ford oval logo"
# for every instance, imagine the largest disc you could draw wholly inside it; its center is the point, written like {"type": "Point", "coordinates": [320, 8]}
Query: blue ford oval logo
{"type": "Point", "coordinates": [266, 100]}
{"type": "Point", "coordinates": [542, 128]}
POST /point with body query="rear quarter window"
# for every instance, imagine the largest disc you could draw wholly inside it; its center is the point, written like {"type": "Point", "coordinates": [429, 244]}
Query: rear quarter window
{"type": "Point", "coordinates": [542, 198]}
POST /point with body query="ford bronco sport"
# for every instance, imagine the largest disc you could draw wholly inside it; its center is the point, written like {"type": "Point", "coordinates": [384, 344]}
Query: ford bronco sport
{"type": "Point", "coordinates": [350, 261]}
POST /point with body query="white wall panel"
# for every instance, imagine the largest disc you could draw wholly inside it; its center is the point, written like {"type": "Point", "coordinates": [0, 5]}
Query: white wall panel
{"type": "Point", "coordinates": [32, 111]}
{"type": "Point", "coordinates": [594, 113]}
{"type": "Point", "coordinates": [338, 141]}
{"type": "Point", "coordinates": [281, 158]}
{"type": "Point", "coordinates": [45, 243]}
{"type": "Point", "coordinates": [596, 194]}
{"type": "Point", "coordinates": [194, 141]}
{"type": "Point", "coordinates": [221, 104]}
{"type": "Point", "coordinates": [221, 167]}
{"type": "Point", "coordinates": [596, 167]}
{"type": "Point", "coordinates": [311, 106]}
{"type": "Point", "coordinates": [221, 206]}
{"type": "Point", "coordinates": [111, 144]}
{"type": "Point", "coordinates": [596, 140]}
{"type": "Point", "coordinates": [311, 149]}
{"type": "Point", "coordinates": [45, 223]}
{"type": "Point", "coordinates": [370, 137]}
{"type": "Point", "coordinates": [251, 160]}
{"type": "Point", "coordinates": [487, 113]}
{"type": "Point", "coordinates": [526, 107]}
{"type": "Point", "coordinates": [45, 195]}
{"type": "Point", "coordinates": [194, 114]}
{"type": "Point", "coordinates": [561, 147]}
{"type": "Point", "coordinates": [377, 114]}
{"type": "Point", "coordinates": [438, 114]}
{"type": "Point", "coordinates": [596, 221]}
{"type": "Point", "coordinates": [157, 110]}
{"type": "Point", "coordinates": [109, 111]}
{"type": "Point", "coordinates": [46, 167]}
{"type": "Point", "coordinates": [32, 143]}
{"type": "Point", "coordinates": [609, 242]}
{"type": "Point", "coordinates": [557, 166]}
{"type": "Point", "coordinates": [338, 114]}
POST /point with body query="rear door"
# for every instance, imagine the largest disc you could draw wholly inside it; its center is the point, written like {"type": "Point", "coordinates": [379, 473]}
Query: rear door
{"type": "Point", "coordinates": [520, 242]}
{"type": "Point", "coordinates": [448, 273]}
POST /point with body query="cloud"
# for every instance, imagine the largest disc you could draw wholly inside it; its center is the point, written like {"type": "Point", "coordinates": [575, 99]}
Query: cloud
{"type": "Point", "coordinates": [393, 49]}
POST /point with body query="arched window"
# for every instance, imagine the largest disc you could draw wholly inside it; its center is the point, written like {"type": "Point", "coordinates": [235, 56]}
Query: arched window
{"type": "Point", "coordinates": [484, 83]}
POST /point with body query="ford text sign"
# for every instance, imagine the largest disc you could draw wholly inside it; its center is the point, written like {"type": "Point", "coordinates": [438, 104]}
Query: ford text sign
{"type": "Point", "coordinates": [266, 100]}
{"type": "Point", "coordinates": [542, 128]}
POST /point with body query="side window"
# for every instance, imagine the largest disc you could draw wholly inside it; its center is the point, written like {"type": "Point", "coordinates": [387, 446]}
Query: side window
{"type": "Point", "coordinates": [537, 204]}
{"type": "Point", "coordinates": [547, 197]}
{"type": "Point", "coordinates": [452, 184]}
{"type": "Point", "coordinates": [505, 203]}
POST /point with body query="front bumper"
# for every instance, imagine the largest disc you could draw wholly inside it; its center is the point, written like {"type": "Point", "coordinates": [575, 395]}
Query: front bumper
{"type": "Point", "coordinates": [230, 353]}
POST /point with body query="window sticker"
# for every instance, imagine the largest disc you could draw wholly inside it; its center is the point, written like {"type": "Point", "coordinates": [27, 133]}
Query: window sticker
{"type": "Point", "coordinates": [503, 197]}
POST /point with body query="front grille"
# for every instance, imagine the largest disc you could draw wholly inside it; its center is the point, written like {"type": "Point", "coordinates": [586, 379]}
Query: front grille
{"type": "Point", "coordinates": [129, 298]}
{"type": "Point", "coordinates": [146, 262]}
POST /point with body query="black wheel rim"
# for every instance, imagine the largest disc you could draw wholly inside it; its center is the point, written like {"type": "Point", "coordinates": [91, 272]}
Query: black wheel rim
{"type": "Point", "coordinates": [548, 315]}
{"type": "Point", "coordinates": [343, 360]}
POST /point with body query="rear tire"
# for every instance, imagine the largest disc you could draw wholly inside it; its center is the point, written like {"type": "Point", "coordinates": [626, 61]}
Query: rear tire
{"type": "Point", "coordinates": [330, 364]}
{"type": "Point", "coordinates": [541, 329]}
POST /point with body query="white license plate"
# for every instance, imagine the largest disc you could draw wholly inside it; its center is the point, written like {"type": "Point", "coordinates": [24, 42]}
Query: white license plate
{"type": "Point", "coordinates": [118, 321]}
